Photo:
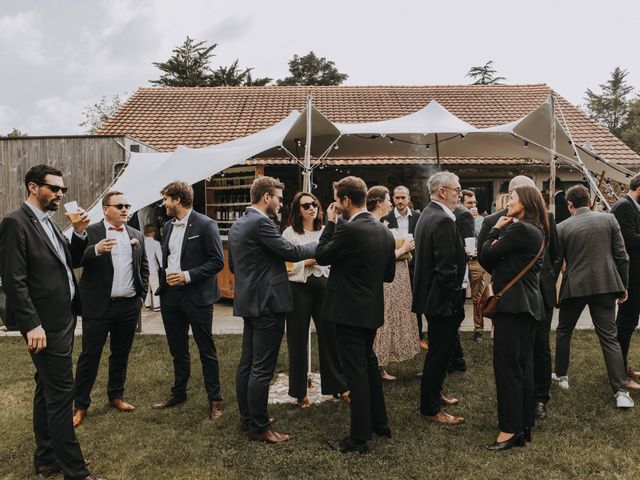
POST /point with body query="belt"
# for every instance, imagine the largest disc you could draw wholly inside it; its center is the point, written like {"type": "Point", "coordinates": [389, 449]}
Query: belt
{"type": "Point", "coordinates": [121, 299]}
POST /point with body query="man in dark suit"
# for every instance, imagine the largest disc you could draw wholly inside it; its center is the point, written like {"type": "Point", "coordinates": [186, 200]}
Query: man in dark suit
{"type": "Point", "coordinates": [191, 258]}
{"type": "Point", "coordinates": [36, 266]}
{"type": "Point", "coordinates": [112, 288]}
{"type": "Point", "coordinates": [405, 220]}
{"type": "Point", "coordinates": [596, 275]}
{"type": "Point", "coordinates": [626, 211]}
{"type": "Point", "coordinates": [440, 266]}
{"type": "Point", "coordinates": [548, 275]}
{"type": "Point", "coordinates": [361, 252]}
{"type": "Point", "coordinates": [262, 296]}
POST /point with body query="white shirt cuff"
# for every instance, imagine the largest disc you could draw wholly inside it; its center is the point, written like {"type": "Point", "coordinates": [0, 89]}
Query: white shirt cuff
{"type": "Point", "coordinates": [95, 249]}
{"type": "Point", "coordinates": [187, 277]}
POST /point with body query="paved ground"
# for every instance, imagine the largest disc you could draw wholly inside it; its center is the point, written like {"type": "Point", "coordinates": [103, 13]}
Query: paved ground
{"type": "Point", "coordinates": [224, 322]}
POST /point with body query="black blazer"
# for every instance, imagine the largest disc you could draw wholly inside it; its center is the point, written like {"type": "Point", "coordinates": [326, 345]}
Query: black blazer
{"type": "Point", "coordinates": [97, 276]}
{"type": "Point", "coordinates": [440, 263]}
{"type": "Point", "coordinates": [33, 276]}
{"type": "Point", "coordinates": [464, 222]}
{"type": "Point", "coordinates": [201, 256]}
{"type": "Point", "coordinates": [393, 222]}
{"type": "Point", "coordinates": [552, 262]}
{"type": "Point", "coordinates": [257, 252]}
{"type": "Point", "coordinates": [517, 244]}
{"type": "Point", "coordinates": [628, 217]}
{"type": "Point", "coordinates": [362, 257]}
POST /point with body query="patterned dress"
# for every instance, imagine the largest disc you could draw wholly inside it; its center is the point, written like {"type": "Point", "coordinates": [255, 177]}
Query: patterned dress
{"type": "Point", "coordinates": [396, 340]}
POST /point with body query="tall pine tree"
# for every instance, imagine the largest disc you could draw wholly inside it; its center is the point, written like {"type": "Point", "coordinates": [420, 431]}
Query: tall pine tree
{"type": "Point", "coordinates": [611, 106]}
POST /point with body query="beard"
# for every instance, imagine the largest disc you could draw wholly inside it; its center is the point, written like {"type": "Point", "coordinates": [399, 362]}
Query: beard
{"type": "Point", "coordinates": [51, 205]}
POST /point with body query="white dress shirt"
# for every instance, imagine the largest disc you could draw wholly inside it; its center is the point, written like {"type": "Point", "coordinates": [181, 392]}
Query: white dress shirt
{"type": "Point", "coordinates": [403, 221]}
{"type": "Point", "coordinates": [122, 257]}
{"type": "Point", "coordinates": [178, 230]}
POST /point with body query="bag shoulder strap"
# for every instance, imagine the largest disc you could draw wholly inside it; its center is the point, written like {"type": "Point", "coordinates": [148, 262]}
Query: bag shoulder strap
{"type": "Point", "coordinates": [524, 270]}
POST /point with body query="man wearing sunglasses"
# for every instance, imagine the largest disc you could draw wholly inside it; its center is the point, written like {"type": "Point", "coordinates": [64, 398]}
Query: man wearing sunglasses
{"type": "Point", "coordinates": [113, 286]}
{"type": "Point", "coordinates": [36, 265]}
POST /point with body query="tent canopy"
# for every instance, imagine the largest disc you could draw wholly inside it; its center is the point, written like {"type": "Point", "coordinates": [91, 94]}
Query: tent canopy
{"type": "Point", "coordinates": [429, 132]}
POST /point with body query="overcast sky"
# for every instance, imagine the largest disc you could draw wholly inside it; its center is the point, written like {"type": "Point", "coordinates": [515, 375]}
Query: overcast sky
{"type": "Point", "coordinates": [57, 56]}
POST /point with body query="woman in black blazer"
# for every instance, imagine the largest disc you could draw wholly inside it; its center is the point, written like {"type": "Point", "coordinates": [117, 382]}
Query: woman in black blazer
{"type": "Point", "coordinates": [510, 246]}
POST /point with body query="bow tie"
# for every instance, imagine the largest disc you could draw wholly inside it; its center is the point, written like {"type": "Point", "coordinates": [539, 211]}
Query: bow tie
{"type": "Point", "coordinates": [117, 229]}
{"type": "Point", "coordinates": [179, 224]}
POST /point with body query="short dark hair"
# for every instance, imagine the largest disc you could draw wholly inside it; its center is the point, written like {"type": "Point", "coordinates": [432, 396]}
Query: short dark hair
{"type": "Point", "coordinates": [107, 197]}
{"type": "Point", "coordinates": [634, 184]}
{"type": "Point", "coordinates": [149, 228]}
{"type": "Point", "coordinates": [374, 195]}
{"type": "Point", "coordinates": [295, 219]}
{"type": "Point", "coordinates": [352, 187]}
{"type": "Point", "coordinates": [579, 196]}
{"type": "Point", "coordinates": [180, 190]}
{"type": "Point", "coordinates": [37, 174]}
{"type": "Point", "coordinates": [467, 193]}
{"type": "Point", "coordinates": [262, 185]}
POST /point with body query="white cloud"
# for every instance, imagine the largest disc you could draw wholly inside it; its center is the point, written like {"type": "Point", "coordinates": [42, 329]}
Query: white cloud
{"type": "Point", "coordinates": [22, 33]}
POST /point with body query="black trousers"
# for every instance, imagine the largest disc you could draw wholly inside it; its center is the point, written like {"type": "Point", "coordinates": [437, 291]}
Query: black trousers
{"type": "Point", "coordinates": [627, 319]}
{"type": "Point", "coordinates": [261, 340]}
{"type": "Point", "coordinates": [53, 406]}
{"type": "Point", "coordinates": [178, 315]}
{"type": "Point", "coordinates": [308, 299]}
{"type": "Point", "coordinates": [443, 338]}
{"type": "Point", "coordinates": [457, 360]}
{"type": "Point", "coordinates": [360, 364]}
{"type": "Point", "coordinates": [602, 308]}
{"type": "Point", "coordinates": [513, 338]}
{"type": "Point", "coordinates": [119, 321]}
{"type": "Point", "coordinates": [542, 357]}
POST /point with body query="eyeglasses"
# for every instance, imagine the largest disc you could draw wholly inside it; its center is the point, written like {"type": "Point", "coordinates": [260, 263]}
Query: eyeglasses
{"type": "Point", "coordinates": [457, 189]}
{"type": "Point", "coordinates": [54, 188]}
{"type": "Point", "coordinates": [277, 196]}
{"type": "Point", "coordinates": [120, 206]}
{"type": "Point", "coordinates": [308, 205]}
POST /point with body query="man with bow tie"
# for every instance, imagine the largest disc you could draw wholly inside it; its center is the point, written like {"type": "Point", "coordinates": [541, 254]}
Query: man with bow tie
{"type": "Point", "coordinates": [113, 287]}
{"type": "Point", "coordinates": [191, 258]}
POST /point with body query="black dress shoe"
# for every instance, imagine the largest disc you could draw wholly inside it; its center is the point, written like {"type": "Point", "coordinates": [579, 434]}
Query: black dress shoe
{"type": "Point", "coordinates": [528, 434]}
{"type": "Point", "coordinates": [516, 441]}
{"type": "Point", "coordinates": [541, 411]}
{"type": "Point", "coordinates": [169, 402]}
{"type": "Point", "coordinates": [383, 432]}
{"type": "Point", "coordinates": [459, 367]}
{"type": "Point", "coordinates": [347, 445]}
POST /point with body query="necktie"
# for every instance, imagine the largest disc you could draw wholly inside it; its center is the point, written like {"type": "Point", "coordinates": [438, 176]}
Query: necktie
{"type": "Point", "coordinates": [117, 229]}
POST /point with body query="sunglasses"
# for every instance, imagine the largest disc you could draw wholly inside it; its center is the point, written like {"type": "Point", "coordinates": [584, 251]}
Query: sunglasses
{"type": "Point", "coordinates": [54, 188]}
{"type": "Point", "coordinates": [308, 205]}
{"type": "Point", "coordinates": [120, 206]}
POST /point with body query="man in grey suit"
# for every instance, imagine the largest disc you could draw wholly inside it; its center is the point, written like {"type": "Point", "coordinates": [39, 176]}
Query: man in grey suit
{"type": "Point", "coordinates": [596, 274]}
{"type": "Point", "coordinates": [262, 296]}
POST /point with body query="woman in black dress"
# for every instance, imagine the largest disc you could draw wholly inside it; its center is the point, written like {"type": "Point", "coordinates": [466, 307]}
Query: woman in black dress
{"type": "Point", "coordinates": [510, 246]}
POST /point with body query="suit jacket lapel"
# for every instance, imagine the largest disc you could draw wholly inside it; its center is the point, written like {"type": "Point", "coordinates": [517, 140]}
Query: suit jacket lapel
{"type": "Point", "coordinates": [165, 243]}
{"type": "Point", "coordinates": [187, 234]}
{"type": "Point", "coordinates": [135, 250]}
{"type": "Point", "coordinates": [102, 234]}
{"type": "Point", "coordinates": [63, 241]}
{"type": "Point", "coordinates": [40, 229]}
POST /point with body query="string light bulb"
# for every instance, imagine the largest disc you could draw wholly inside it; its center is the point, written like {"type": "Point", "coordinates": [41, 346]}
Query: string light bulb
{"type": "Point", "coordinates": [336, 147]}
{"type": "Point", "coordinates": [526, 144]}
{"type": "Point", "coordinates": [427, 147]}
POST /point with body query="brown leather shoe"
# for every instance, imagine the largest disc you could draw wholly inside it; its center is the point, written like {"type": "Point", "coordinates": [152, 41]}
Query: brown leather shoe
{"type": "Point", "coordinates": [215, 409]}
{"type": "Point", "coordinates": [270, 436]}
{"type": "Point", "coordinates": [304, 402]}
{"type": "Point", "coordinates": [448, 401]}
{"type": "Point", "coordinates": [168, 402]}
{"type": "Point", "coordinates": [78, 417]}
{"type": "Point", "coordinates": [121, 405]}
{"type": "Point", "coordinates": [424, 345]}
{"type": "Point", "coordinates": [632, 385]}
{"type": "Point", "coordinates": [632, 374]}
{"type": "Point", "coordinates": [245, 428]}
{"type": "Point", "coordinates": [443, 417]}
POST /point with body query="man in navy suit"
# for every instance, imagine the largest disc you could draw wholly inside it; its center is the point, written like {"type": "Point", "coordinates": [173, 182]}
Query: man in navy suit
{"type": "Point", "coordinates": [257, 253]}
{"type": "Point", "coordinates": [191, 258]}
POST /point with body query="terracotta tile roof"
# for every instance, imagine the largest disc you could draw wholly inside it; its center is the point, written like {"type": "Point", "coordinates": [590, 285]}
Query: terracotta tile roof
{"type": "Point", "coordinates": [197, 117]}
{"type": "Point", "coordinates": [331, 161]}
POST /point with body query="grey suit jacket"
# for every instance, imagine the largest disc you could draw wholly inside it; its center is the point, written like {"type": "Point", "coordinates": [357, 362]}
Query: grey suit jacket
{"type": "Point", "coordinates": [257, 253]}
{"type": "Point", "coordinates": [591, 243]}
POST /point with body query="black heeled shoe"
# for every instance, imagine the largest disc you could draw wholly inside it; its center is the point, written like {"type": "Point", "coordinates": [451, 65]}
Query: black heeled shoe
{"type": "Point", "coordinates": [516, 441]}
{"type": "Point", "coordinates": [527, 434]}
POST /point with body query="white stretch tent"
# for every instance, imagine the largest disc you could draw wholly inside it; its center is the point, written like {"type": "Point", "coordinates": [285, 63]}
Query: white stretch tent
{"type": "Point", "coordinates": [427, 133]}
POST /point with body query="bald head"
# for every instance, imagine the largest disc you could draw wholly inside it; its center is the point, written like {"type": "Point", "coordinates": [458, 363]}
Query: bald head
{"type": "Point", "coordinates": [520, 181]}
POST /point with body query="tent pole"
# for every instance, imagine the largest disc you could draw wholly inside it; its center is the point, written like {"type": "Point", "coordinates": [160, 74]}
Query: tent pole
{"type": "Point", "coordinates": [552, 162]}
{"type": "Point", "coordinates": [437, 152]}
{"type": "Point", "coordinates": [306, 172]}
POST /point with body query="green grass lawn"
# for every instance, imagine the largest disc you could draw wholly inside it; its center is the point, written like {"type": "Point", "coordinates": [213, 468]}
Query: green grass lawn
{"type": "Point", "coordinates": [585, 436]}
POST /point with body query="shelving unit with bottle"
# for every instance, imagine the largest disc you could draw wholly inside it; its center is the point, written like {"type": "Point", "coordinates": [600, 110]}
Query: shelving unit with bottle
{"type": "Point", "coordinates": [227, 195]}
